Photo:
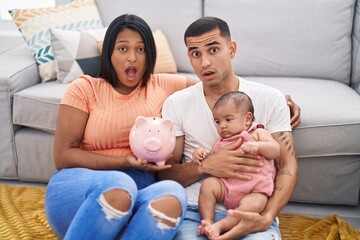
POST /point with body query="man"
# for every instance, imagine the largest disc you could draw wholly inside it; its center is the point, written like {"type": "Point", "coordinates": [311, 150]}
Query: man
{"type": "Point", "coordinates": [211, 50]}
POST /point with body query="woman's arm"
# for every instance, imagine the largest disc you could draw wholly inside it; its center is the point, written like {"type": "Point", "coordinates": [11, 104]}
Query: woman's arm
{"type": "Point", "coordinates": [70, 128]}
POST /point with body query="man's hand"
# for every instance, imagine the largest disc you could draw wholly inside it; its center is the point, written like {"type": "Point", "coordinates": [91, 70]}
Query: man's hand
{"type": "Point", "coordinates": [229, 162]}
{"type": "Point", "coordinates": [294, 112]}
{"type": "Point", "coordinates": [249, 222]}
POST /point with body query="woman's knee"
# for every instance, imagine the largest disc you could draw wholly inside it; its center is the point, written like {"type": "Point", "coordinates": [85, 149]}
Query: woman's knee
{"type": "Point", "coordinates": [118, 199]}
{"type": "Point", "coordinates": [167, 210]}
{"type": "Point", "coordinates": [116, 191]}
{"type": "Point", "coordinates": [171, 206]}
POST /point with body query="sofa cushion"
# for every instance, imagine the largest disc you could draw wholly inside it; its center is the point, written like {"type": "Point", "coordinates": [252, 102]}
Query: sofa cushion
{"type": "Point", "coordinates": [173, 17]}
{"type": "Point", "coordinates": [37, 106]}
{"type": "Point", "coordinates": [76, 53]}
{"type": "Point", "coordinates": [313, 42]}
{"type": "Point", "coordinates": [330, 115]}
{"type": "Point", "coordinates": [165, 62]}
{"type": "Point", "coordinates": [34, 25]}
{"type": "Point", "coordinates": [328, 180]}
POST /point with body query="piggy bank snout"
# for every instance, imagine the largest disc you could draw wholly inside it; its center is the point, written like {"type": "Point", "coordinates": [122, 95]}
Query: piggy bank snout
{"type": "Point", "coordinates": [152, 144]}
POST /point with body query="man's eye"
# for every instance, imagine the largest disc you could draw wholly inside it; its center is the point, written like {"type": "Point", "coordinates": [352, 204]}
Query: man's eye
{"type": "Point", "coordinates": [195, 54]}
{"type": "Point", "coordinates": [213, 50]}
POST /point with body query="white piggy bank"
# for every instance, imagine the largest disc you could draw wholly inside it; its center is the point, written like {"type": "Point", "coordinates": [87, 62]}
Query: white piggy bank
{"type": "Point", "coordinates": [152, 139]}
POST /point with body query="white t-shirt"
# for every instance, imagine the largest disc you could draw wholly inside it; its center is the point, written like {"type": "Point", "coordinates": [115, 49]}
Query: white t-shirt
{"type": "Point", "coordinates": [193, 119]}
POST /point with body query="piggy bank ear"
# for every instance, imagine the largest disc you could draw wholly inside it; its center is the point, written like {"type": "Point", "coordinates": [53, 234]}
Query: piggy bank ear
{"type": "Point", "coordinates": [140, 121]}
{"type": "Point", "coordinates": [168, 124]}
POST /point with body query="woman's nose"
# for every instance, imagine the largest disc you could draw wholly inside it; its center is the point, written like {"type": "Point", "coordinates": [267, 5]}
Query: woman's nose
{"type": "Point", "coordinates": [131, 56]}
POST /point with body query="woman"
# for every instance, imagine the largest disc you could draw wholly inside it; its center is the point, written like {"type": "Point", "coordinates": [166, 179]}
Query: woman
{"type": "Point", "coordinates": [102, 191]}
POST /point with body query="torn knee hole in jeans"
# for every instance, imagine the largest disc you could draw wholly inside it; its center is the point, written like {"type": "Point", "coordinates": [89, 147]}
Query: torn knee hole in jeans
{"type": "Point", "coordinates": [164, 220]}
{"type": "Point", "coordinates": [110, 211]}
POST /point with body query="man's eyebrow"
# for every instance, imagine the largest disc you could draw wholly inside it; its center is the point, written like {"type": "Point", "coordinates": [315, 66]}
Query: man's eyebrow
{"type": "Point", "coordinates": [212, 43]}
{"type": "Point", "coordinates": [192, 48]}
{"type": "Point", "coordinates": [206, 45]}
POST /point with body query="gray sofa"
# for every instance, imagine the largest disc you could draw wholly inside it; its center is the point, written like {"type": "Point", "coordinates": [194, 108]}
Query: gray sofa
{"type": "Point", "coordinates": [308, 49]}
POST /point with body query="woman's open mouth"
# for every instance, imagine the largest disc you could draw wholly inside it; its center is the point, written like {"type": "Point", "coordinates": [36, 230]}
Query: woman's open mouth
{"type": "Point", "coordinates": [131, 73]}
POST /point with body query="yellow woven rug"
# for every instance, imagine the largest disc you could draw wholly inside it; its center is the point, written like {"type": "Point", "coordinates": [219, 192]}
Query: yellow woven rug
{"type": "Point", "coordinates": [22, 217]}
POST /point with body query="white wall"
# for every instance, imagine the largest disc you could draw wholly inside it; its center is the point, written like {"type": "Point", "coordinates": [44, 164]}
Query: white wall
{"type": "Point", "coordinates": [10, 36]}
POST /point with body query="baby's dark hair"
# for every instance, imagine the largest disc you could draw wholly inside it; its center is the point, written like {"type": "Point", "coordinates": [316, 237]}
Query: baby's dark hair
{"type": "Point", "coordinates": [240, 99]}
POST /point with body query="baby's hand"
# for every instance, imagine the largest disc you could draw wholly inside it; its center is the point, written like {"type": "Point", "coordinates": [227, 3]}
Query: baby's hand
{"type": "Point", "coordinates": [250, 147]}
{"type": "Point", "coordinates": [198, 155]}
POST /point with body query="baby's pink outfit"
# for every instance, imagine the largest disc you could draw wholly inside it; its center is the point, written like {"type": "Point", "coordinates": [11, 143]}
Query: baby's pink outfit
{"type": "Point", "coordinates": [261, 182]}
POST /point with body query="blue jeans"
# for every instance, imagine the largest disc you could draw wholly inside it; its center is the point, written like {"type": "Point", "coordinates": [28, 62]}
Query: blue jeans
{"type": "Point", "coordinates": [75, 209]}
{"type": "Point", "coordinates": [192, 221]}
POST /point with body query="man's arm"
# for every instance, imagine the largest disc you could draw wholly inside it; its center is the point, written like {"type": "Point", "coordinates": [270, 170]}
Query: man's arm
{"type": "Point", "coordinates": [228, 162]}
{"type": "Point", "coordinates": [286, 177]}
{"type": "Point", "coordinates": [186, 173]}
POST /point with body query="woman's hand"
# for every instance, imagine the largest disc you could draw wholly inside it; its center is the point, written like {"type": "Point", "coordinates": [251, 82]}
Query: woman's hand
{"type": "Point", "coordinates": [294, 112]}
{"type": "Point", "coordinates": [230, 162]}
{"type": "Point", "coordinates": [145, 165]}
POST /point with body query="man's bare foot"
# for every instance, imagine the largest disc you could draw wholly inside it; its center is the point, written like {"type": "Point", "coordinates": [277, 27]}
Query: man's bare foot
{"type": "Point", "coordinates": [201, 228]}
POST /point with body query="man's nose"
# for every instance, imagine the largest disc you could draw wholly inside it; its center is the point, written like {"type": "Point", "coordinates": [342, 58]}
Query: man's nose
{"type": "Point", "coordinates": [205, 62]}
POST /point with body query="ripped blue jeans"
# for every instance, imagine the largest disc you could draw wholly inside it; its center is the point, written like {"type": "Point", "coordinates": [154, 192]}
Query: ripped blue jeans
{"type": "Point", "coordinates": [76, 209]}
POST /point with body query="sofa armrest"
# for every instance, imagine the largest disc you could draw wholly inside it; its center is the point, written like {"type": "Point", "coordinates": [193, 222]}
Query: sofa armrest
{"type": "Point", "coordinates": [18, 70]}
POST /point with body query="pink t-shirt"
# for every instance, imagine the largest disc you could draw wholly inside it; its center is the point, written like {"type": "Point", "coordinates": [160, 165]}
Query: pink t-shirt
{"type": "Point", "coordinates": [261, 182]}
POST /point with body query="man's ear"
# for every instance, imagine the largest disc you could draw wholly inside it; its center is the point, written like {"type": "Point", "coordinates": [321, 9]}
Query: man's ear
{"type": "Point", "coordinates": [233, 48]}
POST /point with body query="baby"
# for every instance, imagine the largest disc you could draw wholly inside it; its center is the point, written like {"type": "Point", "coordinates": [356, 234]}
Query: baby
{"type": "Point", "coordinates": [234, 118]}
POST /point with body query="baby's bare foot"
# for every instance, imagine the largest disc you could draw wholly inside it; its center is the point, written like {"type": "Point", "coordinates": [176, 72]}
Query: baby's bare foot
{"type": "Point", "coordinates": [201, 228]}
{"type": "Point", "coordinates": [212, 231]}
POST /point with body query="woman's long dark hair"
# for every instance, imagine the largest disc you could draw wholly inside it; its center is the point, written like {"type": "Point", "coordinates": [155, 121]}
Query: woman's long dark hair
{"type": "Point", "coordinates": [137, 24]}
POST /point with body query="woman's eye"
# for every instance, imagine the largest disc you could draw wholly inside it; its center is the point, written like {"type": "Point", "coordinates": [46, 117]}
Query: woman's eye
{"type": "Point", "coordinates": [213, 50]}
{"type": "Point", "coordinates": [195, 54]}
{"type": "Point", "coordinates": [122, 49]}
{"type": "Point", "coordinates": [141, 49]}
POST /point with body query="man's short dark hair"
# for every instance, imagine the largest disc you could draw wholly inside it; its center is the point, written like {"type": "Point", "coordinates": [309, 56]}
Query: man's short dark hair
{"type": "Point", "coordinates": [207, 24]}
